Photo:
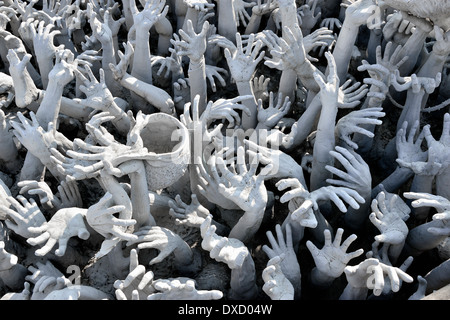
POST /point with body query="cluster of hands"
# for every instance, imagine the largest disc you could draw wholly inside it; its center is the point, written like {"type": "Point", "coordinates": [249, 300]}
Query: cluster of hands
{"type": "Point", "coordinates": [278, 163]}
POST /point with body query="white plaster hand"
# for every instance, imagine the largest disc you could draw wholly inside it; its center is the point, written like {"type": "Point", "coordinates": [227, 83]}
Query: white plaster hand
{"type": "Point", "coordinates": [100, 216]}
{"type": "Point", "coordinates": [354, 122]}
{"type": "Point", "coordinates": [276, 285]}
{"type": "Point", "coordinates": [181, 289]}
{"type": "Point", "coordinates": [332, 259]}
{"type": "Point", "coordinates": [243, 62]}
{"type": "Point", "coordinates": [138, 284]}
{"type": "Point", "coordinates": [64, 224]}
{"type": "Point", "coordinates": [25, 214]}
{"type": "Point", "coordinates": [388, 220]}
{"type": "Point", "coordinates": [192, 215]}
{"type": "Point", "coordinates": [222, 249]}
{"type": "Point", "coordinates": [289, 264]}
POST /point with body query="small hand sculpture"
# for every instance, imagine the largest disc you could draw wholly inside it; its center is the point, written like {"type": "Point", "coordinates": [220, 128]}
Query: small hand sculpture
{"type": "Point", "coordinates": [310, 14]}
{"type": "Point", "coordinates": [192, 215]}
{"type": "Point", "coordinates": [409, 148]}
{"type": "Point", "coordinates": [269, 117]}
{"type": "Point", "coordinates": [162, 239]}
{"type": "Point", "coordinates": [354, 123]}
{"type": "Point", "coordinates": [100, 217]}
{"type": "Point", "coordinates": [276, 284]}
{"type": "Point", "coordinates": [310, 200]}
{"type": "Point", "coordinates": [442, 206]}
{"type": "Point", "coordinates": [240, 9]}
{"type": "Point", "coordinates": [46, 278]}
{"type": "Point", "coordinates": [389, 221]}
{"type": "Point", "coordinates": [284, 166]}
{"type": "Point", "coordinates": [242, 62]}
{"type": "Point", "coordinates": [357, 177]}
{"type": "Point", "coordinates": [64, 224]}
{"type": "Point", "coordinates": [26, 214]}
{"type": "Point", "coordinates": [227, 250]}
{"type": "Point", "coordinates": [181, 289]}
{"type": "Point", "coordinates": [332, 259]}
{"type": "Point", "coordinates": [394, 277]}
{"type": "Point", "coordinates": [138, 284]}
{"type": "Point", "coordinates": [289, 264]}
{"type": "Point", "coordinates": [193, 44]}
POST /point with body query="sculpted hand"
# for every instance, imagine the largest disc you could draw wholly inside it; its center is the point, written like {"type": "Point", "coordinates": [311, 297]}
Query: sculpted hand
{"type": "Point", "coordinates": [100, 217]}
{"type": "Point", "coordinates": [138, 283]}
{"type": "Point", "coordinates": [289, 264]}
{"type": "Point", "coordinates": [153, 11]}
{"type": "Point", "coordinates": [409, 149]}
{"type": "Point", "coordinates": [227, 250]}
{"type": "Point", "coordinates": [26, 214]}
{"type": "Point", "coordinates": [354, 122]}
{"type": "Point", "coordinates": [226, 109]}
{"type": "Point", "coordinates": [240, 9]}
{"type": "Point", "coordinates": [259, 86]}
{"type": "Point", "coordinates": [98, 96]}
{"type": "Point", "coordinates": [244, 188]}
{"type": "Point", "coordinates": [276, 285]}
{"type": "Point", "coordinates": [309, 14]}
{"type": "Point", "coordinates": [192, 215]}
{"type": "Point", "coordinates": [242, 63]}
{"type": "Point", "coordinates": [64, 224]}
{"type": "Point", "coordinates": [41, 189]}
{"type": "Point", "coordinates": [182, 289]}
{"type": "Point", "coordinates": [215, 72]}
{"type": "Point", "coordinates": [388, 220]}
{"type": "Point", "coordinates": [441, 204]}
{"type": "Point", "coordinates": [357, 177]}
{"type": "Point", "coordinates": [270, 116]}
{"type": "Point", "coordinates": [332, 259]}
{"type": "Point", "coordinates": [284, 166]}
{"type": "Point", "coordinates": [154, 237]}
{"type": "Point", "coordinates": [307, 201]}
{"type": "Point", "coordinates": [193, 44]}
{"type": "Point", "coordinates": [43, 40]}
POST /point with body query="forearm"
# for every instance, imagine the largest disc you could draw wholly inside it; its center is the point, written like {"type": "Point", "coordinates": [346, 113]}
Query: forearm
{"type": "Point", "coordinates": [197, 81]}
{"type": "Point", "coordinates": [422, 184]}
{"type": "Point", "coordinates": [352, 293]}
{"type": "Point", "coordinates": [154, 95]}
{"type": "Point", "coordinates": [248, 224]}
{"type": "Point", "coordinates": [226, 20]}
{"type": "Point", "coordinates": [343, 49]}
{"type": "Point", "coordinates": [248, 121]}
{"type": "Point", "coordinates": [433, 64]}
{"type": "Point", "coordinates": [243, 281]}
{"type": "Point", "coordinates": [165, 31]}
{"type": "Point", "coordinates": [289, 16]}
{"type": "Point", "coordinates": [142, 69]}
{"type": "Point", "coordinates": [305, 72]}
{"type": "Point", "coordinates": [253, 24]}
{"type": "Point", "coordinates": [394, 181]}
{"type": "Point", "coordinates": [356, 218]}
{"type": "Point", "coordinates": [109, 57]}
{"type": "Point", "coordinates": [45, 66]}
{"type": "Point", "coordinates": [306, 122]}
{"type": "Point", "coordinates": [320, 279]}
{"type": "Point", "coordinates": [50, 106]}
{"type": "Point", "coordinates": [419, 239]}
{"type": "Point", "coordinates": [412, 48]}
{"type": "Point", "coordinates": [288, 84]}
{"type": "Point", "coordinates": [324, 143]}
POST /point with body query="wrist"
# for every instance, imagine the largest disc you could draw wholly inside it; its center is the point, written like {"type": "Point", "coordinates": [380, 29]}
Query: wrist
{"type": "Point", "coordinates": [196, 63]}
{"type": "Point", "coordinates": [320, 278]}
